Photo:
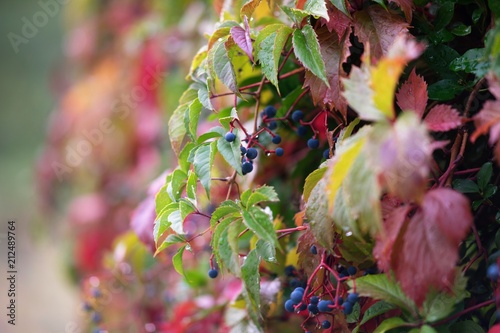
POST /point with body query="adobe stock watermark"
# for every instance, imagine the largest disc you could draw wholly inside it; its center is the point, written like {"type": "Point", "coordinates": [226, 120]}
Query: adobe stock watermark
{"type": "Point", "coordinates": [76, 151]}
{"type": "Point", "coordinates": [32, 25]}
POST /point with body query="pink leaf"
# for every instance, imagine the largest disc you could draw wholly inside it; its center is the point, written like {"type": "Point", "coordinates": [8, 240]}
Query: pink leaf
{"type": "Point", "coordinates": [431, 240]}
{"type": "Point", "coordinates": [442, 118]}
{"type": "Point", "coordinates": [406, 7]}
{"type": "Point", "coordinates": [412, 95]}
{"type": "Point", "coordinates": [242, 38]}
{"type": "Point", "coordinates": [486, 118]}
{"type": "Point", "coordinates": [338, 21]}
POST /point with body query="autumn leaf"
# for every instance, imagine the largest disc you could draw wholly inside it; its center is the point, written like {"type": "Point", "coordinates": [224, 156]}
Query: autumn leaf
{"type": "Point", "coordinates": [442, 118]}
{"type": "Point", "coordinates": [406, 6]}
{"type": "Point", "coordinates": [431, 239]}
{"type": "Point", "coordinates": [338, 21]}
{"type": "Point", "coordinates": [242, 38]}
{"type": "Point", "coordinates": [334, 53]}
{"type": "Point", "coordinates": [377, 29]}
{"type": "Point", "coordinates": [412, 96]}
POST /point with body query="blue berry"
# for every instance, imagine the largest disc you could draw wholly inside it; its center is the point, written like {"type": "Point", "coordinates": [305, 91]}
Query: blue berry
{"type": "Point", "coordinates": [339, 300]}
{"type": "Point", "coordinates": [243, 150]}
{"type": "Point", "coordinates": [493, 272]}
{"type": "Point", "coordinates": [302, 307]}
{"type": "Point", "coordinates": [289, 270]}
{"type": "Point", "coordinates": [297, 115]}
{"type": "Point", "coordinates": [86, 307]}
{"type": "Point", "coordinates": [294, 283]}
{"type": "Point", "coordinates": [351, 270]}
{"type": "Point", "coordinates": [343, 273]}
{"type": "Point", "coordinates": [270, 111]}
{"type": "Point", "coordinates": [314, 300]}
{"type": "Point", "coordinates": [348, 306]}
{"type": "Point", "coordinates": [96, 293]}
{"type": "Point", "coordinates": [296, 296]}
{"type": "Point", "coordinates": [301, 131]}
{"type": "Point", "coordinates": [324, 305]}
{"type": "Point", "coordinates": [326, 324]}
{"type": "Point", "coordinates": [289, 306]}
{"type": "Point", "coordinates": [313, 249]}
{"type": "Point", "coordinates": [313, 143]}
{"type": "Point", "coordinates": [246, 167]}
{"type": "Point", "coordinates": [352, 298]}
{"type": "Point", "coordinates": [96, 317]}
{"type": "Point", "coordinates": [326, 154]}
{"type": "Point", "coordinates": [272, 125]}
{"type": "Point", "coordinates": [279, 151]}
{"type": "Point", "coordinates": [213, 273]}
{"type": "Point", "coordinates": [230, 137]}
{"type": "Point", "coordinates": [313, 308]}
{"type": "Point", "coordinates": [276, 139]}
{"type": "Point", "coordinates": [300, 289]}
{"type": "Point", "coordinates": [252, 153]}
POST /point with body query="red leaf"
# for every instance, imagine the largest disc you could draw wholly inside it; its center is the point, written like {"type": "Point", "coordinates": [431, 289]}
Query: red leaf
{"type": "Point", "coordinates": [377, 29]}
{"type": "Point", "coordinates": [300, 4]}
{"type": "Point", "coordinates": [242, 38]}
{"type": "Point", "coordinates": [413, 94]}
{"type": "Point", "coordinates": [338, 21]}
{"type": "Point", "coordinates": [306, 260]}
{"type": "Point", "coordinates": [429, 246]}
{"type": "Point", "coordinates": [486, 118]}
{"type": "Point", "coordinates": [442, 118]}
{"type": "Point", "coordinates": [406, 7]}
{"type": "Point", "coordinates": [334, 53]}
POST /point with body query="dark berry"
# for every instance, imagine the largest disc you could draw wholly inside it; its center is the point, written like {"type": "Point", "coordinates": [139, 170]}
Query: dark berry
{"type": "Point", "coordinates": [289, 306]}
{"type": "Point", "coordinates": [86, 307]}
{"type": "Point", "coordinates": [314, 300]}
{"type": "Point", "coordinates": [297, 115]}
{"type": "Point", "coordinates": [213, 273]}
{"type": "Point", "coordinates": [493, 272]}
{"type": "Point", "coordinates": [270, 111]}
{"type": "Point", "coordinates": [326, 324]}
{"type": "Point", "coordinates": [96, 317]}
{"type": "Point", "coordinates": [246, 167]}
{"type": "Point", "coordinates": [302, 307]}
{"type": "Point", "coordinates": [294, 283]}
{"type": "Point", "coordinates": [252, 153]}
{"type": "Point", "coordinates": [324, 305]}
{"type": "Point", "coordinates": [326, 154]}
{"type": "Point", "coordinates": [279, 151]}
{"type": "Point", "coordinates": [289, 270]}
{"type": "Point", "coordinates": [301, 289]}
{"type": "Point", "coordinates": [301, 131]}
{"type": "Point", "coordinates": [96, 293]}
{"type": "Point", "coordinates": [352, 298]}
{"type": "Point", "coordinates": [313, 143]}
{"type": "Point", "coordinates": [277, 139]}
{"type": "Point", "coordinates": [351, 270]}
{"type": "Point", "coordinates": [343, 273]}
{"type": "Point", "coordinates": [372, 270]}
{"type": "Point", "coordinates": [243, 150]}
{"type": "Point", "coordinates": [230, 137]}
{"type": "Point", "coordinates": [272, 125]}
{"type": "Point", "coordinates": [313, 308]}
{"type": "Point", "coordinates": [348, 306]}
{"type": "Point", "coordinates": [339, 300]}
{"type": "Point", "coordinates": [313, 249]}
{"type": "Point", "coordinates": [296, 296]}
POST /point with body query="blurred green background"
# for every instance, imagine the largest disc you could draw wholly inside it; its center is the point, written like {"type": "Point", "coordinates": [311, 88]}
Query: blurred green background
{"type": "Point", "coordinates": [47, 303]}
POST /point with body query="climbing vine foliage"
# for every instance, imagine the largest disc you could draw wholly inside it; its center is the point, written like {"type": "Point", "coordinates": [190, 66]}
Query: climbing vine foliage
{"type": "Point", "coordinates": [349, 148]}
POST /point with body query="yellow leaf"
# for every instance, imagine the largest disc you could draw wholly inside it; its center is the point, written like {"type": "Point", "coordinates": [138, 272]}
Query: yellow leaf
{"type": "Point", "coordinates": [385, 77]}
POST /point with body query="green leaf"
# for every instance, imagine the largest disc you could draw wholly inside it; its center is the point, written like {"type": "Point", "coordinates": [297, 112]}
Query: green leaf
{"type": "Point", "coordinates": [316, 8]}
{"type": "Point", "coordinates": [219, 236]}
{"type": "Point", "coordinates": [477, 203]}
{"type": "Point", "coordinates": [424, 329]}
{"type": "Point", "coordinates": [221, 65]}
{"type": "Point", "coordinates": [467, 326]}
{"type": "Point", "coordinates": [177, 222]}
{"type": "Point", "coordinates": [353, 317]}
{"type": "Point", "coordinates": [161, 223]}
{"type": "Point", "coordinates": [288, 101]}
{"type": "Point", "coordinates": [389, 324]}
{"type": "Point", "coordinates": [307, 50]}
{"type": "Point", "coordinates": [484, 175]}
{"type": "Point", "coordinates": [186, 207]}
{"type": "Point", "coordinates": [183, 158]}
{"type": "Point", "coordinates": [320, 221]}
{"type": "Point", "coordinates": [203, 161]}
{"type": "Point", "coordinates": [176, 128]}
{"type": "Point", "coordinates": [225, 208]}
{"type": "Point", "coordinates": [380, 287]}
{"type": "Point", "coordinates": [461, 30]}
{"type": "Point", "coordinates": [494, 7]}
{"type": "Point", "coordinates": [262, 194]}
{"type": "Point", "coordinates": [228, 256]}
{"type": "Point", "coordinates": [295, 14]}
{"type": "Point", "coordinates": [439, 305]}
{"type": "Point", "coordinates": [231, 152]}
{"type": "Point", "coordinates": [472, 61]}
{"type": "Point", "coordinates": [268, 46]}
{"type": "Point", "coordinates": [376, 310]}
{"type": "Point", "coordinates": [214, 132]}
{"type": "Point", "coordinates": [191, 186]}
{"type": "Point", "coordinates": [260, 223]}
{"type": "Point", "coordinates": [248, 8]}
{"type": "Point", "coordinates": [465, 186]}
{"type": "Point", "coordinates": [312, 180]}
{"type": "Point", "coordinates": [189, 94]}
{"type": "Point", "coordinates": [177, 260]}
{"type": "Point", "coordinates": [340, 5]}
{"type": "Point", "coordinates": [177, 181]}
{"type": "Point", "coordinates": [266, 250]}
{"type": "Point", "coordinates": [251, 280]}
{"type": "Point", "coordinates": [444, 15]}
{"type": "Point", "coordinates": [192, 117]}
{"type": "Point", "coordinates": [489, 191]}
{"type": "Point", "coordinates": [203, 95]}
{"type": "Point", "coordinates": [444, 90]}
{"type": "Point", "coordinates": [170, 240]}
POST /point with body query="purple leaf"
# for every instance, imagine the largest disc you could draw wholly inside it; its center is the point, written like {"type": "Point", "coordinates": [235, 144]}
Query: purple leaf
{"type": "Point", "coordinates": [242, 38]}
